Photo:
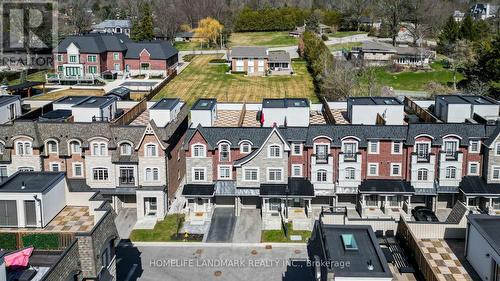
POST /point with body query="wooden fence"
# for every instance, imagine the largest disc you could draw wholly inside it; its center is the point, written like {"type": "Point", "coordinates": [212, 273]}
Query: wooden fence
{"type": "Point", "coordinates": [327, 112]}
{"type": "Point", "coordinates": [422, 113]}
{"type": "Point", "coordinates": [158, 88]}
{"type": "Point", "coordinates": [133, 113]}
{"type": "Point", "coordinates": [64, 239]}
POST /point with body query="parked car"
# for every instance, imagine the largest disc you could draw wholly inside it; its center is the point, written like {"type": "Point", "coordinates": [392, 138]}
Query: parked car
{"type": "Point", "coordinates": [422, 213]}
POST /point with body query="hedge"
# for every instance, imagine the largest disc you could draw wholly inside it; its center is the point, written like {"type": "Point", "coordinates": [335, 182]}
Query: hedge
{"type": "Point", "coordinates": [45, 241]}
{"type": "Point", "coordinates": [8, 241]}
{"type": "Point", "coordinates": [268, 19]}
{"type": "Point", "coordinates": [217, 61]}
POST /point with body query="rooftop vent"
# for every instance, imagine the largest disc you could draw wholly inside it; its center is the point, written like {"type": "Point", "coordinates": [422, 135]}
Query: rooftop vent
{"type": "Point", "coordinates": [480, 100]}
{"type": "Point", "coordinates": [349, 242]}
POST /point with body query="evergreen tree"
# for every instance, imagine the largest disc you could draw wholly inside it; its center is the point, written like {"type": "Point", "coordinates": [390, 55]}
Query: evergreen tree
{"type": "Point", "coordinates": [467, 29]}
{"type": "Point", "coordinates": [312, 22]}
{"type": "Point", "coordinates": [448, 36]}
{"type": "Point", "coordinates": [147, 23]}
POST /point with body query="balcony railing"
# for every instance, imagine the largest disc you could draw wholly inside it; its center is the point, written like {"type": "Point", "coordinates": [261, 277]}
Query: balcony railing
{"type": "Point", "coordinates": [423, 158]}
{"type": "Point", "coordinates": [451, 155]}
{"type": "Point", "coordinates": [350, 157]}
{"type": "Point", "coordinates": [321, 158]}
{"type": "Point", "coordinates": [126, 181]}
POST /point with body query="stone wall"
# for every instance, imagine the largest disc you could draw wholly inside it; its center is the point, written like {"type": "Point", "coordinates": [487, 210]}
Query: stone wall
{"type": "Point", "coordinates": [66, 266]}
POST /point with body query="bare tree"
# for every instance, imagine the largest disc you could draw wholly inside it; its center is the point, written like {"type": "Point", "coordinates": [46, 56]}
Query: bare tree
{"type": "Point", "coordinates": [79, 17]}
{"type": "Point", "coordinates": [356, 9]}
{"type": "Point", "coordinates": [393, 12]}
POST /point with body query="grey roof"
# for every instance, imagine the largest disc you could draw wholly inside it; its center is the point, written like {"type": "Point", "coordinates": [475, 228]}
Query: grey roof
{"type": "Point", "coordinates": [96, 102]}
{"type": "Point", "coordinates": [166, 103]}
{"type": "Point", "coordinates": [95, 43]}
{"type": "Point", "coordinates": [287, 102]}
{"type": "Point", "coordinates": [204, 104]}
{"type": "Point", "coordinates": [113, 23]}
{"type": "Point", "coordinates": [59, 114]}
{"type": "Point", "coordinates": [31, 182]}
{"type": "Point", "coordinates": [466, 131]}
{"type": "Point", "coordinates": [375, 101]}
{"type": "Point", "coordinates": [466, 99]}
{"type": "Point", "coordinates": [157, 49]}
{"type": "Point", "coordinates": [476, 185]}
{"type": "Point", "coordinates": [119, 91]}
{"type": "Point", "coordinates": [71, 99]}
{"type": "Point", "coordinates": [380, 186]}
{"type": "Point", "coordinates": [492, 132]}
{"type": "Point", "coordinates": [213, 135]}
{"type": "Point", "coordinates": [249, 52]}
{"type": "Point", "coordinates": [488, 227]}
{"type": "Point", "coordinates": [326, 242]}
{"type": "Point", "coordinates": [185, 34]}
{"type": "Point", "coordinates": [7, 99]}
{"type": "Point", "coordinates": [279, 56]}
{"type": "Point", "coordinates": [372, 46]}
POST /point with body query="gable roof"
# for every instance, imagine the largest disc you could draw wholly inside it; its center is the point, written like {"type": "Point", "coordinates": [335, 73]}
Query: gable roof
{"type": "Point", "coordinates": [157, 49]}
{"type": "Point", "coordinates": [113, 23]}
{"type": "Point", "coordinates": [95, 43]}
{"type": "Point", "coordinates": [249, 52]}
{"type": "Point", "coordinates": [466, 131]}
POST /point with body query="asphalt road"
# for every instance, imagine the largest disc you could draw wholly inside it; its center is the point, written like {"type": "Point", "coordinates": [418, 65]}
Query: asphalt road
{"type": "Point", "coordinates": [221, 262]}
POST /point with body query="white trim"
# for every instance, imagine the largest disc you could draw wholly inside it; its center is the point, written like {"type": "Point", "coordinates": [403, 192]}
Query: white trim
{"type": "Point", "coordinates": [424, 135]}
{"type": "Point", "coordinates": [429, 146]}
{"type": "Point", "coordinates": [370, 147]}
{"type": "Point", "coordinates": [244, 143]}
{"type": "Point", "coordinates": [250, 168]}
{"type": "Point", "coordinates": [228, 151]}
{"type": "Point", "coordinates": [469, 166]}
{"type": "Point", "coordinates": [497, 151]}
{"type": "Point", "coordinates": [91, 146]}
{"type": "Point", "coordinates": [73, 169]}
{"type": "Point", "coordinates": [450, 140]}
{"type": "Point", "coordinates": [356, 148]}
{"type": "Point", "coordinates": [392, 169]}
{"type": "Point", "coordinates": [69, 147]}
{"type": "Point", "coordinates": [24, 143]}
{"type": "Point", "coordinates": [205, 176]}
{"type": "Point", "coordinates": [350, 137]}
{"type": "Point", "coordinates": [321, 137]}
{"type": "Point", "coordinates": [152, 174]}
{"type": "Point", "coordinates": [269, 150]}
{"type": "Point", "coordinates": [316, 176]}
{"type": "Point", "coordinates": [55, 163]}
{"type": "Point", "coordinates": [98, 180]}
{"type": "Point", "coordinates": [224, 140]}
{"type": "Point", "coordinates": [230, 172]}
{"type": "Point", "coordinates": [46, 145]}
{"type": "Point", "coordinates": [286, 147]}
{"type": "Point", "coordinates": [368, 170]}
{"type": "Point", "coordinates": [275, 168]}
{"type": "Point", "coordinates": [300, 147]}
{"type": "Point", "coordinates": [478, 146]}
{"type": "Point", "coordinates": [452, 136]}
{"type": "Point", "coordinates": [400, 147]}
{"type": "Point", "coordinates": [204, 150]}
{"type": "Point", "coordinates": [301, 174]}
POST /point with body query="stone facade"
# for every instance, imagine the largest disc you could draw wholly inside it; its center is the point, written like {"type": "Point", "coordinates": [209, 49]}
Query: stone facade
{"type": "Point", "coordinates": [67, 266]}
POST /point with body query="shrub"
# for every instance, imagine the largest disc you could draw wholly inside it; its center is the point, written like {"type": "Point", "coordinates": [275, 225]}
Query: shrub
{"type": "Point", "coordinates": [8, 241]}
{"type": "Point", "coordinates": [217, 61]}
{"type": "Point", "coordinates": [188, 58]}
{"type": "Point", "coordinates": [46, 241]}
{"type": "Point", "coordinates": [324, 37]}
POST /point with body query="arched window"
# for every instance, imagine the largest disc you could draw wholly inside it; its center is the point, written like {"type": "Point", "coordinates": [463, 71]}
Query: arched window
{"type": "Point", "coordinates": [274, 151]}
{"type": "Point", "coordinates": [51, 147]}
{"type": "Point", "coordinates": [151, 174]}
{"type": "Point", "coordinates": [321, 175]}
{"type": "Point", "coordinates": [99, 149]}
{"type": "Point", "coordinates": [199, 150]}
{"type": "Point", "coordinates": [75, 147]}
{"type": "Point", "coordinates": [151, 150]}
{"type": "Point", "coordinates": [422, 174]}
{"type": "Point", "coordinates": [245, 148]}
{"type": "Point", "coordinates": [224, 152]}
{"type": "Point", "coordinates": [24, 148]}
{"type": "Point", "coordinates": [125, 149]}
{"type": "Point", "coordinates": [350, 173]}
{"type": "Point", "coordinates": [451, 172]}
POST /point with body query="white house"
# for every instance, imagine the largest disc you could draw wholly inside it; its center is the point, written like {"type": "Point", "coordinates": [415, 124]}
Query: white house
{"type": "Point", "coordinates": [459, 108]}
{"type": "Point", "coordinates": [482, 248]}
{"type": "Point", "coordinates": [10, 108]}
{"type": "Point", "coordinates": [164, 111]}
{"type": "Point", "coordinates": [364, 110]}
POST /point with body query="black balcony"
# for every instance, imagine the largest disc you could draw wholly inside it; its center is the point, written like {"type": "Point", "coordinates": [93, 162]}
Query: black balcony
{"type": "Point", "coordinates": [321, 158]}
{"type": "Point", "coordinates": [126, 181]}
{"type": "Point", "coordinates": [451, 155]}
{"type": "Point", "coordinates": [423, 157]}
{"type": "Point", "coordinates": [350, 157]}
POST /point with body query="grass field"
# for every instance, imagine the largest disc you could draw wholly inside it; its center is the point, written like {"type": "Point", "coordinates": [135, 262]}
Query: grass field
{"type": "Point", "coordinates": [340, 47]}
{"type": "Point", "coordinates": [202, 80]}
{"type": "Point", "coordinates": [340, 34]}
{"type": "Point", "coordinates": [35, 77]}
{"type": "Point", "coordinates": [189, 46]}
{"type": "Point", "coordinates": [70, 92]}
{"type": "Point", "coordinates": [165, 230]}
{"type": "Point", "coordinates": [279, 235]}
{"type": "Point", "coordinates": [268, 39]}
{"type": "Point", "coordinates": [416, 81]}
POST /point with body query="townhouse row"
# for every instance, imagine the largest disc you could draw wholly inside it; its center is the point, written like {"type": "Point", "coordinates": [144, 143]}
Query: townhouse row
{"type": "Point", "coordinates": [378, 170]}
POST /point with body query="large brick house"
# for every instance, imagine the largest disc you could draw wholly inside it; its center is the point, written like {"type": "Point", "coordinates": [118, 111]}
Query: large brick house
{"type": "Point", "coordinates": [93, 55]}
{"type": "Point", "coordinates": [377, 170]}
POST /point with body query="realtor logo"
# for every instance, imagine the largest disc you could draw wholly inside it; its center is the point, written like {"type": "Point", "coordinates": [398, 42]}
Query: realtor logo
{"type": "Point", "coordinates": [28, 32]}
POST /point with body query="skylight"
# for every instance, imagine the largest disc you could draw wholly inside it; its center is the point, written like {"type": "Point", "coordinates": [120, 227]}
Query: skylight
{"type": "Point", "coordinates": [349, 242]}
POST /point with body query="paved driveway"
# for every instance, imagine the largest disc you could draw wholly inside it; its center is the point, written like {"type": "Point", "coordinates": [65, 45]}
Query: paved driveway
{"type": "Point", "coordinates": [222, 225]}
{"type": "Point", "coordinates": [125, 221]}
{"type": "Point", "coordinates": [205, 262]}
{"type": "Point", "coordinates": [248, 227]}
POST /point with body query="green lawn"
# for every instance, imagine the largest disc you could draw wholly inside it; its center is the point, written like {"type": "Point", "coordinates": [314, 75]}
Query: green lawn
{"type": "Point", "coordinates": [200, 79]}
{"type": "Point", "coordinates": [340, 34]}
{"type": "Point", "coordinates": [340, 47]}
{"type": "Point", "coordinates": [268, 39]}
{"type": "Point", "coordinates": [279, 235]}
{"type": "Point", "coordinates": [189, 46]}
{"type": "Point", "coordinates": [416, 80]}
{"type": "Point", "coordinates": [163, 231]}
{"type": "Point", "coordinates": [36, 77]}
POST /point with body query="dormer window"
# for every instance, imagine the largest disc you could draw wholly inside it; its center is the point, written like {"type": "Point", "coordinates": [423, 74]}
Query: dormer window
{"type": "Point", "coordinates": [350, 148]}
{"type": "Point", "coordinates": [75, 147]}
{"type": "Point", "coordinates": [125, 149]}
{"type": "Point", "coordinates": [151, 150]}
{"type": "Point", "coordinates": [199, 151]}
{"type": "Point", "coordinates": [24, 148]}
{"type": "Point", "coordinates": [224, 152]}
{"type": "Point", "coordinates": [99, 149]}
{"type": "Point", "coordinates": [51, 147]}
{"type": "Point", "coordinates": [73, 58]}
{"type": "Point", "coordinates": [422, 150]}
{"type": "Point", "coordinates": [274, 151]}
{"type": "Point", "coordinates": [245, 148]}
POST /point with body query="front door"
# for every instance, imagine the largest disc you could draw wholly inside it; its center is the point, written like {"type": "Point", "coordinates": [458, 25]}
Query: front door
{"type": "Point", "coordinates": [150, 206]}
